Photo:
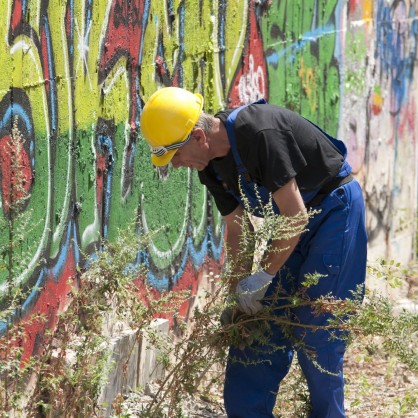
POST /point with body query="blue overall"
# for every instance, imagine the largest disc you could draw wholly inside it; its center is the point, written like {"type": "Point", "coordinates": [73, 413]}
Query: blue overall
{"type": "Point", "coordinates": [334, 246]}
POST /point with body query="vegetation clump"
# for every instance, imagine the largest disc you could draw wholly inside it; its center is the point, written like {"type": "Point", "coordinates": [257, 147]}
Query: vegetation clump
{"type": "Point", "coordinates": [66, 377]}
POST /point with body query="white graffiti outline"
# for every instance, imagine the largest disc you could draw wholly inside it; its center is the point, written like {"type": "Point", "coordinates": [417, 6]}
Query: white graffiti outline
{"type": "Point", "coordinates": [83, 49]}
{"type": "Point", "coordinates": [249, 88]}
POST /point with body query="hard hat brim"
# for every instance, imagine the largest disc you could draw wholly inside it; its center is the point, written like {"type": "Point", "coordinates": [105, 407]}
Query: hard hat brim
{"type": "Point", "coordinates": [164, 159]}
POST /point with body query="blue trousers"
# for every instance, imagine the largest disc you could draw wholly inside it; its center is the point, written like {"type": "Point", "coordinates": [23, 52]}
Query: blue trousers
{"type": "Point", "coordinates": [336, 247]}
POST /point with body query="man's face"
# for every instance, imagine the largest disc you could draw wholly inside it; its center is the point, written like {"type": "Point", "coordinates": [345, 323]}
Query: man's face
{"type": "Point", "coordinates": [194, 154]}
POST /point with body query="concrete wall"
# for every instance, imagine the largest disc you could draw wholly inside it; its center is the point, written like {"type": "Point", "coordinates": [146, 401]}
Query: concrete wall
{"type": "Point", "coordinates": [74, 76]}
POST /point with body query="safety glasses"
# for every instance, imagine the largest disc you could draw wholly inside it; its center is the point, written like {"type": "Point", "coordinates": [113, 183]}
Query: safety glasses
{"type": "Point", "coordinates": [161, 150]}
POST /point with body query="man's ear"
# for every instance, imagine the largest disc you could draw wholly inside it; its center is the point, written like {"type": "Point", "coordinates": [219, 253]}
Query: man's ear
{"type": "Point", "coordinates": [199, 135]}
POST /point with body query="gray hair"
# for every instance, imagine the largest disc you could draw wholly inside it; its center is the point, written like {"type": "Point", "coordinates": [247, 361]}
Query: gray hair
{"type": "Point", "coordinates": [205, 122]}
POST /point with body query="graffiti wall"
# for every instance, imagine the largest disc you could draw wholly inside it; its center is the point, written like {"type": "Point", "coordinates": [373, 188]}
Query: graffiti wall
{"type": "Point", "coordinates": [74, 167]}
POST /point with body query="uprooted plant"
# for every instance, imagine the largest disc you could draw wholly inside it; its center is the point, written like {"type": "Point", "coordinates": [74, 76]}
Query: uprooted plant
{"type": "Point", "coordinates": [194, 360]}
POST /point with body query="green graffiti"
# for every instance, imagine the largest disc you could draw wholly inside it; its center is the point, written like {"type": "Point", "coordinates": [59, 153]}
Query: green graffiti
{"type": "Point", "coordinates": [299, 39]}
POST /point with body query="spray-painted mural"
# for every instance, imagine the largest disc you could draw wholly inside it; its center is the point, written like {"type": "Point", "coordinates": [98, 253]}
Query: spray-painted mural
{"type": "Point", "coordinates": [75, 74]}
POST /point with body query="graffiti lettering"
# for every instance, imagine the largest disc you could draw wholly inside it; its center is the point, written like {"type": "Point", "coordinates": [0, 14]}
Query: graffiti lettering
{"type": "Point", "coordinates": [75, 77]}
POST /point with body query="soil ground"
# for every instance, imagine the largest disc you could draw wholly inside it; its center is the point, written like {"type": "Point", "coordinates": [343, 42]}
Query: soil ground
{"type": "Point", "coordinates": [378, 386]}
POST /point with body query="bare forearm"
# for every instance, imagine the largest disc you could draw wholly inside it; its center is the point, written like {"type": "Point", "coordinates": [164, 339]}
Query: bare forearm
{"type": "Point", "coordinates": [293, 211]}
{"type": "Point", "coordinates": [277, 254]}
{"type": "Point", "coordinates": [240, 259]}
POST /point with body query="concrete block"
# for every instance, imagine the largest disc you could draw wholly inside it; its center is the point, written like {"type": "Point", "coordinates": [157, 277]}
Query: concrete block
{"type": "Point", "coordinates": [149, 368]}
{"type": "Point", "coordinates": [123, 375]}
{"type": "Point", "coordinates": [134, 364]}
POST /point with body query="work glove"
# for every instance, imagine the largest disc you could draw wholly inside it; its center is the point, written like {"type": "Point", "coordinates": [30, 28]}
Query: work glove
{"type": "Point", "coordinates": [251, 290]}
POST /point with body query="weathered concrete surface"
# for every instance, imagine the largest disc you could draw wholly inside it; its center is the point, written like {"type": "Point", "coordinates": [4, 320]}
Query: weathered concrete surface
{"type": "Point", "coordinates": [149, 367]}
{"type": "Point", "coordinates": [134, 362]}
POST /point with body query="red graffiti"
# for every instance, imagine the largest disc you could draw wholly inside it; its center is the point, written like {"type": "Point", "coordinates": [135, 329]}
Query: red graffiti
{"type": "Point", "coordinates": [123, 35]}
{"type": "Point", "coordinates": [353, 5]}
{"type": "Point", "coordinates": [251, 79]}
{"type": "Point", "coordinates": [190, 281]}
{"type": "Point", "coordinates": [44, 57]}
{"type": "Point", "coordinates": [17, 17]}
{"type": "Point", "coordinates": [101, 164]}
{"type": "Point", "coordinates": [16, 172]}
{"type": "Point", "coordinates": [124, 38]}
{"type": "Point", "coordinates": [407, 121]}
{"type": "Point", "coordinates": [53, 299]}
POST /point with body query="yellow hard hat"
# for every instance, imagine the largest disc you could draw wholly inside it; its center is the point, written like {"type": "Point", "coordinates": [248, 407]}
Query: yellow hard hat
{"type": "Point", "coordinates": [167, 120]}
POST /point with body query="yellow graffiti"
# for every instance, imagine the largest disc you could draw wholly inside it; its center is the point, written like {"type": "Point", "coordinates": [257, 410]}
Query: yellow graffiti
{"type": "Point", "coordinates": [202, 46]}
{"type": "Point", "coordinates": [368, 11]}
{"type": "Point", "coordinates": [309, 84]}
{"type": "Point", "coordinates": [59, 62]}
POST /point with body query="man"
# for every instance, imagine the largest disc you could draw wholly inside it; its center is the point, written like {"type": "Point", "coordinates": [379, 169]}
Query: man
{"type": "Point", "coordinates": [269, 150]}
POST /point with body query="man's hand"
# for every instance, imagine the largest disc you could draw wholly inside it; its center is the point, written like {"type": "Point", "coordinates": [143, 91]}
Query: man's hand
{"type": "Point", "coordinates": [243, 331]}
{"type": "Point", "coordinates": [230, 316]}
{"type": "Point", "coordinates": [251, 290]}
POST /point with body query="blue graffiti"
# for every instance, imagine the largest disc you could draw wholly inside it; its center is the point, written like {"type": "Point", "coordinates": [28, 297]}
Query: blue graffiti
{"type": "Point", "coordinates": [52, 77]}
{"type": "Point", "coordinates": [106, 145]}
{"type": "Point", "coordinates": [221, 38]}
{"type": "Point", "coordinates": [70, 35]}
{"type": "Point", "coordinates": [164, 281]}
{"type": "Point", "coordinates": [396, 48]}
{"type": "Point", "coordinates": [291, 51]}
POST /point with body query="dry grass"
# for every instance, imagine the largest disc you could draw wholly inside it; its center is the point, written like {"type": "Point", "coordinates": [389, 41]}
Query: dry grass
{"type": "Point", "coordinates": [379, 386]}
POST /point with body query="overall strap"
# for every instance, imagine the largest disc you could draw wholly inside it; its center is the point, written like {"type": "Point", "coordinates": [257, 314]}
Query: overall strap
{"type": "Point", "coordinates": [231, 136]}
